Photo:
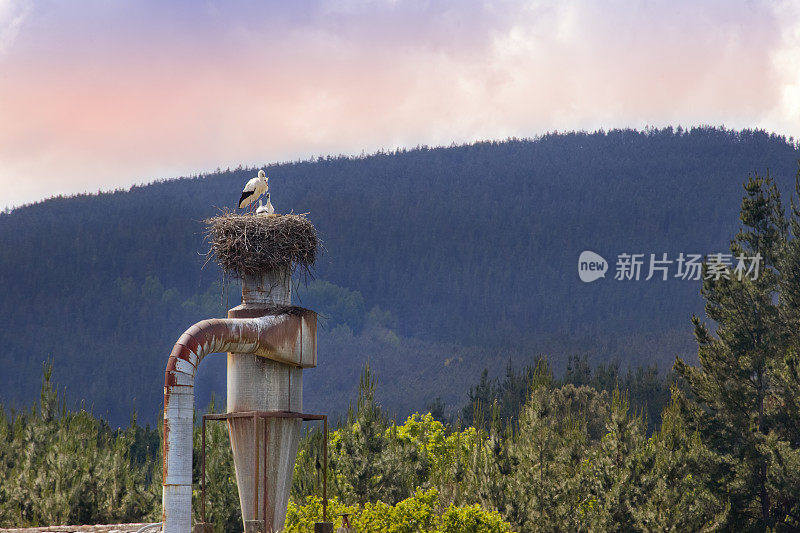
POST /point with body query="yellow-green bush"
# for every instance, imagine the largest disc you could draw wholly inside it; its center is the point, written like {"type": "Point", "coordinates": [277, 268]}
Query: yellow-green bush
{"type": "Point", "coordinates": [412, 515]}
{"type": "Point", "coordinates": [420, 513]}
{"type": "Point", "coordinates": [472, 519]}
{"type": "Point", "coordinates": [301, 518]}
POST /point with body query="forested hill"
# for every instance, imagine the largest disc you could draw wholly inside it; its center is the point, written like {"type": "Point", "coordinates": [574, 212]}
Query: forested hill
{"type": "Point", "coordinates": [437, 262]}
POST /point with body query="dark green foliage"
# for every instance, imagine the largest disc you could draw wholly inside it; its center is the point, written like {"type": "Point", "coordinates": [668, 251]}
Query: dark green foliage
{"type": "Point", "coordinates": [646, 389]}
{"type": "Point", "coordinates": [437, 410]}
{"type": "Point", "coordinates": [580, 461]}
{"type": "Point", "coordinates": [222, 496]}
{"type": "Point", "coordinates": [336, 306]}
{"type": "Point", "coordinates": [577, 460]}
{"type": "Point", "coordinates": [370, 462]}
{"type": "Point", "coordinates": [63, 467]}
{"type": "Point", "coordinates": [571, 463]}
{"type": "Point", "coordinates": [59, 466]}
{"type": "Point", "coordinates": [743, 396]}
{"type": "Point", "coordinates": [672, 492]}
{"type": "Point", "coordinates": [462, 246]}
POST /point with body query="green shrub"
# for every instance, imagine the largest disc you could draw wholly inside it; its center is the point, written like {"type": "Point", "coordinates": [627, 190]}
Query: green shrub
{"type": "Point", "coordinates": [420, 513]}
{"type": "Point", "coordinates": [472, 519]}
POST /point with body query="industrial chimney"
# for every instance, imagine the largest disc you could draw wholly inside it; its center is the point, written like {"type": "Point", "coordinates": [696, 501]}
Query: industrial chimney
{"type": "Point", "coordinates": [269, 343]}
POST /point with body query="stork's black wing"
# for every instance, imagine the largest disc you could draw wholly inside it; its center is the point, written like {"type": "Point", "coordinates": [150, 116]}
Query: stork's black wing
{"type": "Point", "coordinates": [245, 196]}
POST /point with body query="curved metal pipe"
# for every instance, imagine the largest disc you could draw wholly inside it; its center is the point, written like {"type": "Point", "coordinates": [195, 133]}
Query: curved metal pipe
{"type": "Point", "coordinates": [272, 336]}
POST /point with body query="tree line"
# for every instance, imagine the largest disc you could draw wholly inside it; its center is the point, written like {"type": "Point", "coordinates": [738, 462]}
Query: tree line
{"type": "Point", "coordinates": [421, 474]}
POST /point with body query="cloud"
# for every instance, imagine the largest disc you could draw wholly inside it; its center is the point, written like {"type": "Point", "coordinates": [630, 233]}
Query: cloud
{"type": "Point", "coordinates": [785, 115]}
{"type": "Point", "coordinates": [12, 15]}
{"type": "Point", "coordinates": [116, 93]}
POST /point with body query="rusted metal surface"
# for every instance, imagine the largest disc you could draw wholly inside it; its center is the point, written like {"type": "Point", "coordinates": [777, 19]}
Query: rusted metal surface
{"type": "Point", "coordinates": [259, 384]}
{"type": "Point", "coordinates": [254, 526]}
{"type": "Point", "coordinates": [268, 337]}
{"type": "Point", "coordinates": [271, 288]}
{"type": "Point", "coordinates": [255, 469]}
{"type": "Point", "coordinates": [293, 339]}
{"type": "Point", "coordinates": [264, 481]}
{"type": "Point", "coordinates": [265, 414]}
{"type": "Point", "coordinates": [276, 337]}
{"type": "Point", "coordinates": [242, 311]}
{"type": "Point", "coordinates": [177, 510]}
{"type": "Point", "coordinates": [271, 522]}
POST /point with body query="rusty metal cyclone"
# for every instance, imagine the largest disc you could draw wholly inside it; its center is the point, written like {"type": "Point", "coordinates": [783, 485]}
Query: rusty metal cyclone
{"type": "Point", "coordinates": [275, 336]}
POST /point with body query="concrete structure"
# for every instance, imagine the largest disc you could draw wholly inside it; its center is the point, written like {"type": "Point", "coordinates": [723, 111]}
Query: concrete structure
{"type": "Point", "coordinates": [269, 344]}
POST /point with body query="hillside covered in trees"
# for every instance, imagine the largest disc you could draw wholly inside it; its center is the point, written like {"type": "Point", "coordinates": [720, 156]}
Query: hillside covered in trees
{"type": "Point", "coordinates": [438, 263]}
{"type": "Point", "coordinates": [537, 454]}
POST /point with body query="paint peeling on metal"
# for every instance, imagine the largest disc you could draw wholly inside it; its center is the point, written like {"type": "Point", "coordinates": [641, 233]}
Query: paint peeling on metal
{"type": "Point", "coordinates": [259, 384]}
{"type": "Point", "coordinates": [286, 338]}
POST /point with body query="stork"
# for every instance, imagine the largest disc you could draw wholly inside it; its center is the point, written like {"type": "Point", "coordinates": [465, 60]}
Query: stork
{"type": "Point", "coordinates": [253, 189]}
{"type": "Point", "coordinates": [266, 210]}
{"type": "Point", "coordinates": [270, 209]}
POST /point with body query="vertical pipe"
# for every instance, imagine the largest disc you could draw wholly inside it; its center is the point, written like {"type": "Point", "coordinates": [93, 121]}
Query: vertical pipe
{"type": "Point", "coordinates": [325, 469]}
{"type": "Point", "coordinates": [176, 498]}
{"type": "Point", "coordinates": [273, 289]}
{"type": "Point", "coordinates": [203, 490]}
{"type": "Point", "coordinates": [255, 470]}
{"type": "Point", "coordinates": [266, 437]}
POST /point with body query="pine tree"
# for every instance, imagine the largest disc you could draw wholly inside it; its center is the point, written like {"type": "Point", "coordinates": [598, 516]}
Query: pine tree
{"type": "Point", "coordinates": [551, 449]}
{"type": "Point", "coordinates": [371, 464]}
{"type": "Point", "coordinates": [673, 497]}
{"type": "Point", "coordinates": [735, 393]}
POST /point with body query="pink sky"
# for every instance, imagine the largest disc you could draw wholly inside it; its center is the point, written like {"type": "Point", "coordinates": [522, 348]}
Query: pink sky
{"type": "Point", "coordinates": [99, 95]}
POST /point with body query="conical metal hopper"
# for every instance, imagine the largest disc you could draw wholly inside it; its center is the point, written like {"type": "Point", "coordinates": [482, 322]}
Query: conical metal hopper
{"type": "Point", "coordinates": [264, 449]}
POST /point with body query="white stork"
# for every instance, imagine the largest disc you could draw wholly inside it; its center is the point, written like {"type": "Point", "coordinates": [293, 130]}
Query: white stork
{"type": "Point", "coordinates": [265, 210]}
{"type": "Point", "coordinates": [270, 209]}
{"type": "Point", "coordinates": [253, 189]}
{"type": "Point", "coordinates": [261, 210]}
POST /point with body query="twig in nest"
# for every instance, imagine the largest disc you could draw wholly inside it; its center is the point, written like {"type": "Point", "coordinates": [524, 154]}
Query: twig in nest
{"type": "Point", "coordinates": [253, 244]}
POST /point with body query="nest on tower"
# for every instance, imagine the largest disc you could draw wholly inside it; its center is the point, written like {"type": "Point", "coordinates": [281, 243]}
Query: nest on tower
{"type": "Point", "coordinates": [256, 244]}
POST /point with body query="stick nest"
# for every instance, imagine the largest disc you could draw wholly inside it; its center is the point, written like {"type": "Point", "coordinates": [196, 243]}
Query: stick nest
{"type": "Point", "coordinates": [256, 244]}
